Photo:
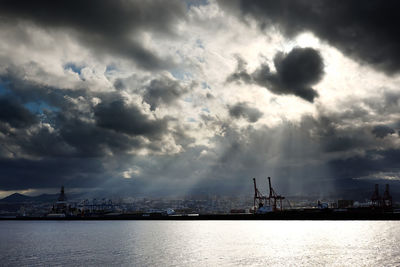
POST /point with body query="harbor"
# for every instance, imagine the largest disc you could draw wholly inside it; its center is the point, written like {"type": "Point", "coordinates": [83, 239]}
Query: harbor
{"type": "Point", "coordinates": [270, 206]}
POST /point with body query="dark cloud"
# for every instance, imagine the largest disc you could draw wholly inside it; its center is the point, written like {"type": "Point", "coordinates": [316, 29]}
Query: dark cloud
{"type": "Point", "coordinates": [65, 136]}
{"type": "Point", "coordinates": [295, 73]}
{"type": "Point", "coordinates": [72, 142]}
{"type": "Point", "coordinates": [209, 96]}
{"type": "Point", "coordinates": [42, 143]}
{"type": "Point", "coordinates": [364, 30]}
{"type": "Point", "coordinates": [381, 131]}
{"type": "Point", "coordinates": [162, 91]}
{"type": "Point", "coordinates": [88, 140]}
{"type": "Point", "coordinates": [243, 110]}
{"type": "Point", "coordinates": [22, 174]}
{"type": "Point", "coordinates": [70, 124]}
{"type": "Point", "coordinates": [108, 26]}
{"type": "Point", "coordinates": [182, 138]}
{"type": "Point", "coordinates": [241, 73]}
{"type": "Point", "coordinates": [15, 114]}
{"type": "Point", "coordinates": [374, 162]}
{"type": "Point", "coordinates": [124, 118]}
{"type": "Point", "coordinates": [28, 91]}
{"type": "Point", "coordinates": [75, 141]}
{"type": "Point", "coordinates": [311, 156]}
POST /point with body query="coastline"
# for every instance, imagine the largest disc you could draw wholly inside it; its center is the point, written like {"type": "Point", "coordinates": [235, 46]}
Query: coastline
{"type": "Point", "coordinates": [289, 215]}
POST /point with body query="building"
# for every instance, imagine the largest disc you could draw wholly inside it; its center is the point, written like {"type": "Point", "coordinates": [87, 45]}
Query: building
{"type": "Point", "coordinates": [61, 206]}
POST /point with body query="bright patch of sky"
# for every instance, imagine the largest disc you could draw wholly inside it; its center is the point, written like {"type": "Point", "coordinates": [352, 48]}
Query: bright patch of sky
{"type": "Point", "coordinates": [73, 67]}
{"type": "Point", "coordinates": [39, 106]}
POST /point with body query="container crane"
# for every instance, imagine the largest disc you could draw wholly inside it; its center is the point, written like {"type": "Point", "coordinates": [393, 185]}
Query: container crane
{"type": "Point", "coordinates": [273, 200]}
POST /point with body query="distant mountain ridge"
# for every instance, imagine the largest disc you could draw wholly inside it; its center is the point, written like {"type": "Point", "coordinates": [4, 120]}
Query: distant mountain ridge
{"type": "Point", "coordinates": [20, 198]}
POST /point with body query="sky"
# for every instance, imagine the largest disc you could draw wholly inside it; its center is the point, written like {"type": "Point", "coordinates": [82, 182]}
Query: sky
{"type": "Point", "coordinates": [164, 98]}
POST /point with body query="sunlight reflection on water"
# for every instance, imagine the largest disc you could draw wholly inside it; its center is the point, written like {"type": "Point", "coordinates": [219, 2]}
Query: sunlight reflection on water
{"type": "Point", "coordinates": [200, 243]}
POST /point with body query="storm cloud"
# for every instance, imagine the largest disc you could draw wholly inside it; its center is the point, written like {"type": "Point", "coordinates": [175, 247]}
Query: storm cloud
{"type": "Point", "coordinates": [365, 31]}
{"type": "Point", "coordinates": [295, 73]}
{"type": "Point", "coordinates": [163, 91]}
{"type": "Point", "coordinates": [381, 131]}
{"type": "Point", "coordinates": [67, 123]}
{"type": "Point", "coordinates": [244, 110]}
{"type": "Point", "coordinates": [15, 114]}
{"type": "Point", "coordinates": [128, 119]}
{"type": "Point", "coordinates": [113, 27]}
{"type": "Point", "coordinates": [144, 98]}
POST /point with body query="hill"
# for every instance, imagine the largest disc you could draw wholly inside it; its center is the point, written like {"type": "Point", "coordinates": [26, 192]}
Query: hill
{"type": "Point", "coordinates": [20, 198]}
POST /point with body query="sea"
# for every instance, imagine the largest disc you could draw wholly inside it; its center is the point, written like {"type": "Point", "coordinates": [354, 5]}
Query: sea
{"type": "Point", "coordinates": [199, 243]}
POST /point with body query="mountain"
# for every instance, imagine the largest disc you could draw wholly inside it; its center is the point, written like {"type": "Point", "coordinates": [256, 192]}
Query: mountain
{"type": "Point", "coordinates": [20, 198]}
{"type": "Point", "coordinates": [43, 198]}
{"type": "Point", "coordinates": [16, 198]}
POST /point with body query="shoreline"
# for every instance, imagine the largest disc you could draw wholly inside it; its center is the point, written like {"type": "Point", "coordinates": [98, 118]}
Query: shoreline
{"type": "Point", "coordinates": [331, 216]}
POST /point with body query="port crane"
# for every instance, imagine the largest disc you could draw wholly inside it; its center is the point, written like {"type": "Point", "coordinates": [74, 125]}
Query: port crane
{"type": "Point", "coordinates": [273, 199]}
{"type": "Point", "coordinates": [382, 202]}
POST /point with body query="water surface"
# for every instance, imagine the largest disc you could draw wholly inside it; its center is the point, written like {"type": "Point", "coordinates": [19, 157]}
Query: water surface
{"type": "Point", "coordinates": [200, 243]}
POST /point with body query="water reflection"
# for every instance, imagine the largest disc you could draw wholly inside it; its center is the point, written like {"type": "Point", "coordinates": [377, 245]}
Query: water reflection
{"type": "Point", "coordinates": [201, 243]}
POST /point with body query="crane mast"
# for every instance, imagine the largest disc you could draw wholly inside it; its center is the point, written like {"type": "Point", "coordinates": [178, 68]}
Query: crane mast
{"type": "Point", "coordinates": [273, 200]}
